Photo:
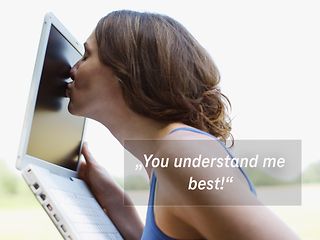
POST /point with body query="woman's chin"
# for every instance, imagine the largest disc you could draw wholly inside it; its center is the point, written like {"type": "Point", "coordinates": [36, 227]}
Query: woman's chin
{"type": "Point", "coordinates": [72, 109]}
{"type": "Point", "coordinates": [75, 110]}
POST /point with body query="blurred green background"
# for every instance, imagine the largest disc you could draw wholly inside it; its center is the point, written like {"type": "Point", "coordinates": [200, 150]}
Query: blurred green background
{"type": "Point", "coordinates": [21, 217]}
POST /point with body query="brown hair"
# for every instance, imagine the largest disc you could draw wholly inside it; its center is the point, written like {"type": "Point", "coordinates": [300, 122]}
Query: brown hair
{"type": "Point", "coordinates": [165, 74]}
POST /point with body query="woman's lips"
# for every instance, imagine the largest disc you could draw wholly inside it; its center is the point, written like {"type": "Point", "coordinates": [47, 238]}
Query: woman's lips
{"type": "Point", "coordinates": [68, 88]}
{"type": "Point", "coordinates": [68, 93]}
{"type": "Point", "coordinates": [70, 85]}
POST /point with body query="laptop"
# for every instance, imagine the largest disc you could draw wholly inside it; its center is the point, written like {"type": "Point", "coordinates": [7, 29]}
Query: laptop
{"type": "Point", "coordinates": [51, 141]}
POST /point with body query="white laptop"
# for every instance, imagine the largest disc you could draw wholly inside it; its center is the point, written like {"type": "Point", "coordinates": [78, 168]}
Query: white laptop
{"type": "Point", "coordinates": [52, 138]}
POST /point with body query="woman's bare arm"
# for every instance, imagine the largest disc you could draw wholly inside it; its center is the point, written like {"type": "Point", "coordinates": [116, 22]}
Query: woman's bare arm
{"type": "Point", "coordinates": [229, 213]}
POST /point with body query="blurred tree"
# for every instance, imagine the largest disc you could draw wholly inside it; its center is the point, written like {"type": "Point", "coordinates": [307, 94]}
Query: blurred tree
{"type": "Point", "coordinates": [261, 178]}
{"type": "Point", "coordinates": [135, 182]}
{"type": "Point", "coordinates": [312, 173]}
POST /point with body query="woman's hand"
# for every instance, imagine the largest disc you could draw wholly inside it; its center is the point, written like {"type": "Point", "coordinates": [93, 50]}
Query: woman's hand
{"type": "Point", "coordinates": [116, 204]}
{"type": "Point", "coordinates": [97, 178]}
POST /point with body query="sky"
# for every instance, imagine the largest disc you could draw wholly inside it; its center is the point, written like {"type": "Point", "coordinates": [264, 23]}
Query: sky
{"type": "Point", "coordinates": [267, 53]}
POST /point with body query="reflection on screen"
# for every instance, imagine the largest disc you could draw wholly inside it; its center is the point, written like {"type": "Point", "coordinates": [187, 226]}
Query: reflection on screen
{"type": "Point", "coordinates": [56, 134]}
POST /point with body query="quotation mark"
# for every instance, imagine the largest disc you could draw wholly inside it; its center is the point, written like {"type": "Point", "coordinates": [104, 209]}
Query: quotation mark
{"type": "Point", "coordinates": [138, 167]}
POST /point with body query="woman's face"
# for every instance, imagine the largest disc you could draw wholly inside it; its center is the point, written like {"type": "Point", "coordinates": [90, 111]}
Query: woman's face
{"type": "Point", "coordinates": [94, 85]}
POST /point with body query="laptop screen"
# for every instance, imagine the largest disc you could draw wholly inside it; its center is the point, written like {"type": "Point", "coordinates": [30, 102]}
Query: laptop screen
{"type": "Point", "coordinates": [55, 134]}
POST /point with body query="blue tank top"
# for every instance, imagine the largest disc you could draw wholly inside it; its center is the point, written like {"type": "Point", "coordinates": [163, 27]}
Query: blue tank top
{"type": "Point", "coordinates": [151, 230]}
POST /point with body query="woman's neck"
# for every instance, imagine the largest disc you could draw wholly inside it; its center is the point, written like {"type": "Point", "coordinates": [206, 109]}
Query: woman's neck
{"type": "Point", "coordinates": [132, 126]}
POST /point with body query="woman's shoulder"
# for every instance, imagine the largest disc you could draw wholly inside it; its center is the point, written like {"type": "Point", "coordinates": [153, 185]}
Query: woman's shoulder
{"type": "Point", "coordinates": [192, 156]}
{"type": "Point", "coordinates": [183, 152]}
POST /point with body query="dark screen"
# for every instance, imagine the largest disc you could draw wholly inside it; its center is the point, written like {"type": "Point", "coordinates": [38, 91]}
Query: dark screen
{"type": "Point", "coordinates": [56, 134]}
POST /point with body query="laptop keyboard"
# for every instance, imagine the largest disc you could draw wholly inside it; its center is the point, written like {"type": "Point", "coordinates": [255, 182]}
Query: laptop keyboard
{"type": "Point", "coordinates": [80, 207]}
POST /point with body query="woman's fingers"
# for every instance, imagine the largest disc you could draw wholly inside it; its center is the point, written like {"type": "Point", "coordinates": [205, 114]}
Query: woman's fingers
{"type": "Point", "coordinates": [82, 169]}
{"type": "Point", "coordinates": [87, 155]}
{"type": "Point", "coordinates": [86, 163]}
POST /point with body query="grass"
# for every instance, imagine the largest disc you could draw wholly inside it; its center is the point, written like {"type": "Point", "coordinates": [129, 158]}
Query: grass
{"type": "Point", "coordinates": [21, 216]}
{"type": "Point", "coordinates": [33, 223]}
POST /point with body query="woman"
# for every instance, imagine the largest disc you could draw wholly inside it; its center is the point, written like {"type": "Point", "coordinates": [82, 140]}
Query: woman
{"type": "Point", "coordinates": [144, 76]}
